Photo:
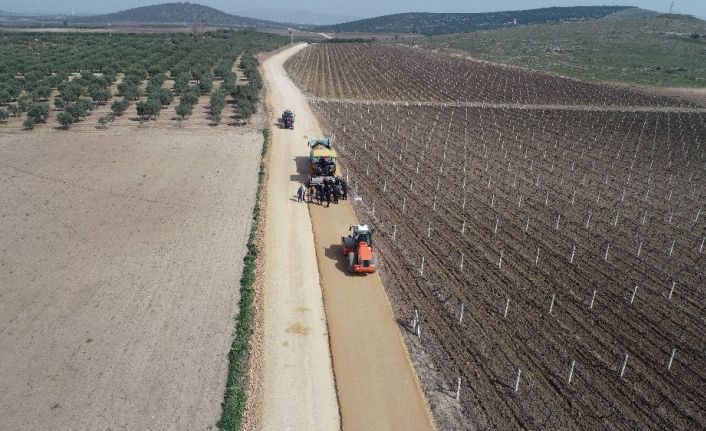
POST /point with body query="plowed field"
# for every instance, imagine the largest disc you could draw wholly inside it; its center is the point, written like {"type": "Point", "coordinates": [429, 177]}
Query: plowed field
{"type": "Point", "coordinates": [569, 237]}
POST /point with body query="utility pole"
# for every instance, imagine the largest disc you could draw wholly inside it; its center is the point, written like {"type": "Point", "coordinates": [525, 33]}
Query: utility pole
{"type": "Point", "coordinates": [291, 36]}
{"type": "Point", "coordinates": [669, 15]}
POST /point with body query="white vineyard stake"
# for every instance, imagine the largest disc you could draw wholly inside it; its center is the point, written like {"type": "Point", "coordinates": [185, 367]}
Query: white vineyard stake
{"type": "Point", "coordinates": [394, 232]}
{"type": "Point", "coordinates": [634, 292]}
{"type": "Point", "coordinates": [593, 299]}
{"type": "Point", "coordinates": [460, 266]}
{"type": "Point", "coordinates": [463, 227]}
{"type": "Point", "coordinates": [639, 249]}
{"type": "Point", "coordinates": [429, 231]}
{"type": "Point", "coordinates": [551, 305]}
{"type": "Point", "coordinates": [625, 363]}
{"type": "Point", "coordinates": [458, 389]}
{"type": "Point", "coordinates": [671, 359]}
{"type": "Point", "coordinates": [463, 308]}
{"type": "Point", "coordinates": [573, 253]}
{"type": "Point", "coordinates": [588, 221]}
{"type": "Point", "coordinates": [671, 291]}
{"type": "Point", "coordinates": [500, 262]}
{"type": "Point", "coordinates": [571, 371]}
{"type": "Point", "coordinates": [605, 256]}
{"type": "Point", "coordinates": [517, 379]}
{"type": "Point", "coordinates": [507, 305]}
{"type": "Point", "coordinates": [558, 218]}
{"type": "Point", "coordinates": [671, 249]}
{"type": "Point", "coordinates": [536, 258]}
{"type": "Point", "coordinates": [421, 270]}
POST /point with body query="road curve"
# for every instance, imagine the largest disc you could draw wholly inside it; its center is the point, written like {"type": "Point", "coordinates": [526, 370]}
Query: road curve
{"type": "Point", "coordinates": [375, 381]}
{"type": "Point", "coordinates": [298, 391]}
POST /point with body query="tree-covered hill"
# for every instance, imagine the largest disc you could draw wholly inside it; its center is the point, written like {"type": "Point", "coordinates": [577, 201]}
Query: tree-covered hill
{"type": "Point", "coordinates": [176, 13]}
{"type": "Point", "coordinates": [446, 23]}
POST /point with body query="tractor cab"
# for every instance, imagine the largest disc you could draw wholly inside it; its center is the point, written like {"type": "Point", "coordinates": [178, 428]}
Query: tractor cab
{"type": "Point", "coordinates": [287, 119]}
{"type": "Point", "coordinates": [361, 232]}
{"type": "Point", "coordinates": [358, 249]}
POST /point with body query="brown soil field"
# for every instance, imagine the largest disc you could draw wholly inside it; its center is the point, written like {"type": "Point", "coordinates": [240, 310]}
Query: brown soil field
{"type": "Point", "coordinates": [573, 241]}
{"type": "Point", "coordinates": [120, 258]}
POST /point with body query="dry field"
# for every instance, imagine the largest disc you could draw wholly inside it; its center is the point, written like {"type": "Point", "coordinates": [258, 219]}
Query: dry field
{"type": "Point", "coordinates": [120, 255]}
{"type": "Point", "coordinates": [572, 239]}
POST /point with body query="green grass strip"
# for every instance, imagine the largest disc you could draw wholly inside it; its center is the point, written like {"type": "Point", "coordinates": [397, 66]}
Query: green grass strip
{"type": "Point", "coordinates": [235, 397]}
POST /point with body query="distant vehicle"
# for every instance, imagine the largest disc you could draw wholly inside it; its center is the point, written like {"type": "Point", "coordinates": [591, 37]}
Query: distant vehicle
{"type": "Point", "coordinates": [287, 119]}
{"type": "Point", "coordinates": [358, 249]}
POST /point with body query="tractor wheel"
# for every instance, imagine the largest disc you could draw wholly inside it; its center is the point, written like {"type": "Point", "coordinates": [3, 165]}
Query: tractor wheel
{"type": "Point", "coordinates": [351, 261]}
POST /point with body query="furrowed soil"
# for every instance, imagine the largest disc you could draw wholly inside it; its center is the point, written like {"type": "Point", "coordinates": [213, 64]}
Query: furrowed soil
{"type": "Point", "coordinates": [120, 256]}
{"type": "Point", "coordinates": [549, 232]}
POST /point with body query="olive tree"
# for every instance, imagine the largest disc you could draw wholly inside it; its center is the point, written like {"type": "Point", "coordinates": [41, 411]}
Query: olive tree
{"type": "Point", "coordinates": [65, 119]}
{"type": "Point", "coordinates": [119, 106]}
{"type": "Point", "coordinates": [149, 108]}
{"type": "Point", "coordinates": [39, 112]}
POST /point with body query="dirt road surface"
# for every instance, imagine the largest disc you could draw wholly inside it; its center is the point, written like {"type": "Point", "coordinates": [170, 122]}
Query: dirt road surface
{"type": "Point", "coordinates": [375, 381]}
{"type": "Point", "coordinates": [298, 391]}
{"type": "Point", "coordinates": [120, 255]}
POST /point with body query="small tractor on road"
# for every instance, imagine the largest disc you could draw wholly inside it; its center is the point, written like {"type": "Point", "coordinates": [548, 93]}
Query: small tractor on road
{"type": "Point", "coordinates": [287, 119]}
{"type": "Point", "coordinates": [358, 249]}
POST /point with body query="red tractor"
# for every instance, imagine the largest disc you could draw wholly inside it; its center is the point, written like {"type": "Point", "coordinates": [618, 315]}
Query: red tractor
{"type": "Point", "coordinates": [358, 249]}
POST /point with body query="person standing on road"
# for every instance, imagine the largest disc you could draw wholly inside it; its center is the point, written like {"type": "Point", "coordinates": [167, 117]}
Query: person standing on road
{"type": "Point", "coordinates": [300, 193]}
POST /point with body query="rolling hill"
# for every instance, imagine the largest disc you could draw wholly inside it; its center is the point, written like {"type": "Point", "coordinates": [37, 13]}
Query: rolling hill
{"type": "Point", "coordinates": [446, 23]}
{"type": "Point", "coordinates": [641, 46]}
{"type": "Point", "coordinates": [176, 13]}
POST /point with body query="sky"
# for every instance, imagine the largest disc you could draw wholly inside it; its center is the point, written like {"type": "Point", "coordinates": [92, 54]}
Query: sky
{"type": "Point", "coordinates": [362, 8]}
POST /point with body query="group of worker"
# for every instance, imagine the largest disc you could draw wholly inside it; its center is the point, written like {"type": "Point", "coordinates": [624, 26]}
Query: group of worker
{"type": "Point", "coordinates": [330, 190]}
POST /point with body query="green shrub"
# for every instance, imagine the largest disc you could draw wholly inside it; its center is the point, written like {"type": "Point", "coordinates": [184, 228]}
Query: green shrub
{"type": "Point", "coordinates": [13, 109]}
{"type": "Point", "coordinates": [119, 106]}
{"type": "Point", "coordinates": [76, 111]}
{"type": "Point", "coordinates": [39, 112]}
{"type": "Point", "coordinates": [23, 103]}
{"type": "Point", "coordinates": [164, 95]}
{"type": "Point", "coordinates": [29, 123]}
{"type": "Point", "coordinates": [206, 83]}
{"type": "Point", "coordinates": [65, 119]}
{"type": "Point", "coordinates": [149, 108]}
{"type": "Point", "coordinates": [190, 98]}
{"type": "Point", "coordinates": [5, 97]}
{"type": "Point", "coordinates": [99, 94]}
